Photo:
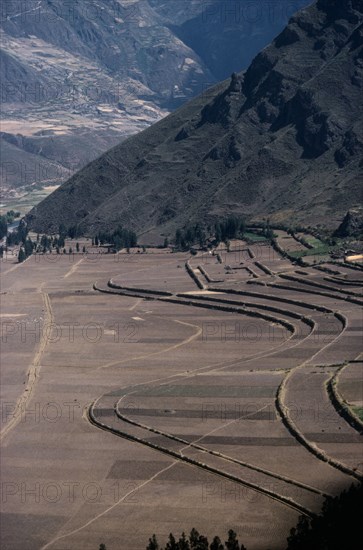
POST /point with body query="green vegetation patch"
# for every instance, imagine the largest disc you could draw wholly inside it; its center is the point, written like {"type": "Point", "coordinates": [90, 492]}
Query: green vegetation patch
{"type": "Point", "coordinates": [359, 412]}
{"type": "Point", "coordinates": [313, 241]}
{"type": "Point", "coordinates": [254, 237]}
{"type": "Point", "coordinates": [321, 250]}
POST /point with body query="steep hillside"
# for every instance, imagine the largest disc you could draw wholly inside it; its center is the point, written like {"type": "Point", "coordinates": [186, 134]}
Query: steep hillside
{"type": "Point", "coordinates": [282, 140]}
{"type": "Point", "coordinates": [99, 70]}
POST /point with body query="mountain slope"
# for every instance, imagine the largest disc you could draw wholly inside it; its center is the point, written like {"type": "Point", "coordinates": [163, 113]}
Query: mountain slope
{"type": "Point", "coordinates": [282, 140]}
{"type": "Point", "coordinates": [105, 69]}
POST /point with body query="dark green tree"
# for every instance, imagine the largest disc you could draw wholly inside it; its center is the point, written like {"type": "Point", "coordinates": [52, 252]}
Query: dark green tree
{"type": "Point", "coordinates": [301, 536]}
{"type": "Point", "coordinates": [74, 232]}
{"type": "Point", "coordinates": [216, 544]}
{"type": "Point", "coordinates": [171, 544]}
{"type": "Point", "coordinates": [3, 227]}
{"type": "Point", "coordinates": [45, 243]}
{"type": "Point", "coordinates": [153, 544]}
{"type": "Point", "coordinates": [62, 230]}
{"type": "Point", "coordinates": [22, 231]}
{"type": "Point", "coordinates": [232, 542]}
{"type": "Point", "coordinates": [178, 238]}
{"type": "Point", "coordinates": [183, 543]}
{"type": "Point", "coordinates": [21, 256]}
{"type": "Point", "coordinates": [102, 547]}
{"type": "Point", "coordinates": [218, 232]}
{"type": "Point", "coordinates": [267, 230]}
{"type": "Point", "coordinates": [202, 543]}
{"type": "Point", "coordinates": [77, 247]}
{"type": "Point", "coordinates": [202, 238]}
{"type": "Point", "coordinates": [231, 228]}
{"type": "Point", "coordinates": [193, 538]}
{"type": "Point", "coordinates": [28, 248]}
{"type": "Point", "coordinates": [197, 541]}
{"type": "Point", "coordinates": [339, 526]}
{"type": "Point", "coordinates": [117, 242]}
{"type": "Point", "coordinates": [133, 239]}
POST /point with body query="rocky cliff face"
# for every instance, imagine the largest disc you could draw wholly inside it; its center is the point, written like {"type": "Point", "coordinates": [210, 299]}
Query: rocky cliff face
{"type": "Point", "coordinates": [281, 140]}
{"type": "Point", "coordinates": [96, 71]}
{"type": "Point", "coordinates": [352, 225]}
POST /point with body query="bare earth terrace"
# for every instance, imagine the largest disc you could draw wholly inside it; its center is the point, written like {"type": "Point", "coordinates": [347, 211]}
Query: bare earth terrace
{"type": "Point", "coordinates": [150, 393]}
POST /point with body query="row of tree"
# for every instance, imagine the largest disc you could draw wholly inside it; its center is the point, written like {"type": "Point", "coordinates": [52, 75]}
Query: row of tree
{"type": "Point", "coordinates": [190, 236]}
{"type": "Point", "coordinates": [5, 220]}
{"type": "Point", "coordinates": [73, 232]}
{"type": "Point", "coordinates": [47, 243]}
{"type": "Point", "coordinates": [118, 239]}
{"type": "Point", "coordinates": [195, 541]}
{"type": "Point", "coordinates": [11, 215]}
{"type": "Point", "coordinates": [26, 250]}
{"type": "Point", "coordinates": [230, 228]}
{"type": "Point", "coordinates": [42, 245]}
{"type": "Point", "coordinates": [339, 526]}
{"type": "Point", "coordinates": [18, 236]}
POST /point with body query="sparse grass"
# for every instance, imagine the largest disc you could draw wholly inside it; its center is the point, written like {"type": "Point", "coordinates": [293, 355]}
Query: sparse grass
{"type": "Point", "coordinates": [359, 412]}
{"type": "Point", "coordinates": [313, 241]}
{"type": "Point", "coordinates": [254, 237]}
{"type": "Point", "coordinates": [322, 249]}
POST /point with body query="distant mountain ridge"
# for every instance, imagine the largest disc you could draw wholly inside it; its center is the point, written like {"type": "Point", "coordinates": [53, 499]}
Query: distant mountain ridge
{"type": "Point", "coordinates": [95, 72]}
{"type": "Point", "coordinates": [283, 140]}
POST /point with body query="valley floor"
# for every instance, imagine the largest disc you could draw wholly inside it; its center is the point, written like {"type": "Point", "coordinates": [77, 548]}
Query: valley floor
{"type": "Point", "coordinates": [153, 393]}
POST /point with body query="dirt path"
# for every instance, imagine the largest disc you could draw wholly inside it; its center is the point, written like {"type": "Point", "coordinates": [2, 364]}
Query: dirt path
{"type": "Point", "coordinates": [197, 333]}
{"type": "Point", "coordinates": [33, 372]}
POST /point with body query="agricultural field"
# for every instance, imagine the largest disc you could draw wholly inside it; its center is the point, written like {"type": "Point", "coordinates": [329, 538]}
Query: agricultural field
{"type": "Point", "coordinates": [26, 201]}
{"type": "Point", "coordinates": [304, 245]}
{"type": "Point", "coordinates": [155, 392]}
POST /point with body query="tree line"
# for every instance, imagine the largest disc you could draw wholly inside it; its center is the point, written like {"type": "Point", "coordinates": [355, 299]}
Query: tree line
{"type": "Point", "coordinates": [198, 234]}
{"type": "Point", "coordinates": [195, 541]}
{"type": "Point", "coordinates": [339, 526]}
{"type": "Point", "coordinates": [118, 239]}
{"type": "Point", "coordinates": [5, 220]}
{"type": "Point", "coordinates": [44, 244]}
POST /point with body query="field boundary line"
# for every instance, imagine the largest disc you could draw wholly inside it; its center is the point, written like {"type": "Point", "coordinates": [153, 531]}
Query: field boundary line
{"type": "Point", "coordinates": [33, 371]}
{"type": "Point", "coordinates": [342, 408]}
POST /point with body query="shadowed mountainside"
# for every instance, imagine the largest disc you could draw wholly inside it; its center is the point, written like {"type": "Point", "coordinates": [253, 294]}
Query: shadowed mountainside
{"type": "Point", "coordinates": [282, 140]}
{"type": "Point", "coordinates": [77, 77]}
